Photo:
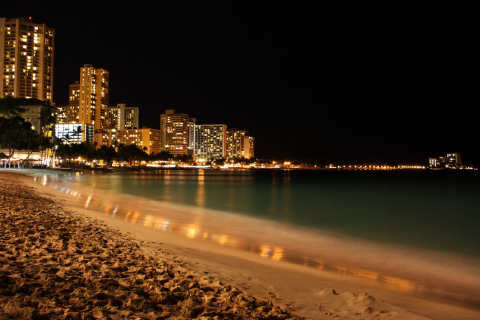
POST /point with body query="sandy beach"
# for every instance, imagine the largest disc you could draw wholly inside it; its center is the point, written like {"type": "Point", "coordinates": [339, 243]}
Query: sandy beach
{"type": "Point", "coordinates": [63, 262]}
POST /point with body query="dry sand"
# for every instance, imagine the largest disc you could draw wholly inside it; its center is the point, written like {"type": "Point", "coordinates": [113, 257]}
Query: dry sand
{"type": "Point", "coordinates": [60, 262]}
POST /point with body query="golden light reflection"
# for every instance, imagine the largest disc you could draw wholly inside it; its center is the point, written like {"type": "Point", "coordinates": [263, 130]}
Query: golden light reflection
{"type": "Point", "coordinates": [277, 254]}
{"type": "Point", "coordinates": [191, 232]}
{"type": "Point", "coordinates": [222, 239]}
{"type": "Point", "coordinates": [401, 284]}
{"type": "Point", "coordinates": [356, 272]}
{"type": "Point", "coordinates": [264, 250]}
{"type": "Point", "coordinates": [148, 221]}
{"type": "Point", "coordinates": [135, 217]}
{"type": "Point", "coordinates": [200, 198]}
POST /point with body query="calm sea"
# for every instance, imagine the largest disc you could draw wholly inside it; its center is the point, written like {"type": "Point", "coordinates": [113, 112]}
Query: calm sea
{"type": "Point", "coordinates": [437, 210]}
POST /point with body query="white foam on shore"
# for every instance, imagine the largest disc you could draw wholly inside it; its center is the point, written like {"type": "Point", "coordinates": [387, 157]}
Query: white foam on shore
{"type": "Point", "coordinates": [425, 272]}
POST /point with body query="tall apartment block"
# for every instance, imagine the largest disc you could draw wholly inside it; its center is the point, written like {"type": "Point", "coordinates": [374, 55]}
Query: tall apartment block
{"type": "Point", "coordinates": [62, 114]}
{"type": "Point", "coordinates": [73, 112]}
{"type": "Point", "coordinates": [26, 59]}
{"type": "Point", "coordinates": [93, 96]}
{"type": "Point", "coordinates": [174, 132]}
{"type": "Point", "coordinates": [210, 141]}
{"type": "Point", "coordinates": [121, 117]}
{"type": "Point", "coordinates": [239, 144]}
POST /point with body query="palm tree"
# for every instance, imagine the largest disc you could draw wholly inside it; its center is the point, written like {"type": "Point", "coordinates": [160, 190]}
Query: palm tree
{"type": "Point", "coordinates": [30, 136]}
{"type": "Point", "coordinates": [12, 132]}
{"type": "Point", "coordinates": [10, 107]}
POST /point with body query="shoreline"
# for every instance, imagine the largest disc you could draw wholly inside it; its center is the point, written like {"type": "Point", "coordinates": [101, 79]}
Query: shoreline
{"type": "Point", "coordinates": [277, 282]}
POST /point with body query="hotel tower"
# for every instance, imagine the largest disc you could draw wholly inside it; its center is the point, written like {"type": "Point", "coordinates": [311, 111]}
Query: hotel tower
{"type": "Point", "coordinates": [93, 96]}
{"type": "Point", "coordinates": [174, 132]}
{"type": "Point", "coordinates": [26, 63]}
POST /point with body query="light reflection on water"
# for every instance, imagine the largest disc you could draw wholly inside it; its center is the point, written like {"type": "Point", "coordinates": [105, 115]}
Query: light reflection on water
{"type": "Point", "coordinates": [194, 231]}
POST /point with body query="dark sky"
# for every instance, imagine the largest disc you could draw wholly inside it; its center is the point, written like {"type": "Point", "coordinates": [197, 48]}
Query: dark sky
{"type": "Point", "coordinates": [389, 82]}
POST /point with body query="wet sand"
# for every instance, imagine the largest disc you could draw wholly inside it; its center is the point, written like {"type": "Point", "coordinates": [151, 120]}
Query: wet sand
{"type": "Point", "coordinates": [61, 262]}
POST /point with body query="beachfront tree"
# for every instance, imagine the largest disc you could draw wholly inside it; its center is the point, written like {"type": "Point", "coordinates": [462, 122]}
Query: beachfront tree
{"type": "Point", "coordinates": [131, 153]}
{"type": "Point", "coordinates": [107, 154]}
{"type": "Point", "coordinates": [10, 107]}
{"type": "Point", "coordinates": [163, 155]}
{"type": "Point", "coordinates": [187, 159]}
{"type": "Point", "coordinates": [13, 132]}
{"type": "Point", "coordinates": [32, 139]}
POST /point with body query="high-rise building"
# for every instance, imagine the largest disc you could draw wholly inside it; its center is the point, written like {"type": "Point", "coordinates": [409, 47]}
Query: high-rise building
{"type": "Point", "coordinates": [26, 63]}
{"type": "Point", "coordinates": [249, 147]}
{"type": "Point", "coordinates": [121, 117]}
{"type": "Point", "coordinates": [210, 141]}
{"type": "Point", "coordinates": [191, 136]}
{"type": "Point", "coordinates": [73, 103]}
{"type": "Point", "coordinates": [453, 160]}
{"type": "Point", "coordinates": [174, 132]}
{"type": "Point", "coordinates": [239, 144]}
{"type": "Point", "coordinates": [62, 114]}
{"type": "Point", "coordinates": [93, 97]}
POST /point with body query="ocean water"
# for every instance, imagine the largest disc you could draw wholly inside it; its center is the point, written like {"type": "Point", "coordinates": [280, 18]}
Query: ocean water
{"type": "Point", "coordinates": [415, 231]}
{"type": "Point", "coordinates": [427, 209]}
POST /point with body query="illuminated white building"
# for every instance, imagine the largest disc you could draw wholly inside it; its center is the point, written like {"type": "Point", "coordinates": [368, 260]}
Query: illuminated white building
{"type": "Point", "coordinates": [26, 63]}
{"type": "Point", "coordinates": [210, 141]}
{"type": "Point", "coordinates": [74, 132]}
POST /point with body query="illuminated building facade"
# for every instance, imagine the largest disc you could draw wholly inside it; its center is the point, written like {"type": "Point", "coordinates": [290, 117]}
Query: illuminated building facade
{"type": "Point", "coordinates": [26, 65]}
{"type": "Point", "coordinates": [74, 132]}
{"type": "Point", "coordinates": [249, 147]}
{"type": "Point", "coordinates": [62, 114]}
{"type": "Point", "coordinates": [122, 117]}
{"type": "Point", "coordinates": [451, 161]}
{"type": "Point", "coordinates": [110, 137]}
{"type": "Point", "coordinates": [239, 144]}
{"type": "Point", "coordinates": [174, 129]}
{"type": "Point", "coordinates": [145, 137]}
{"type": "Point", "coordinates": [191, 136]}
{"type": "Point", "coordinates": [210, 141]}
{"type": "Point", "coordinates": [73, 113]}
{"type": "Point", "coordinates": [93, 96]}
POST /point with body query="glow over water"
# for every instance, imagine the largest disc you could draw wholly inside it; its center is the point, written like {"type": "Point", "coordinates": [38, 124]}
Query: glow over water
{"type": "Point", "coordinates": [347, 222]}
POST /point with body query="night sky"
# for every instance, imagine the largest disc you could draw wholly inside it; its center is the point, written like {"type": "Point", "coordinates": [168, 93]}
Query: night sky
{"type": "Point", "coordinates": [344, 82]}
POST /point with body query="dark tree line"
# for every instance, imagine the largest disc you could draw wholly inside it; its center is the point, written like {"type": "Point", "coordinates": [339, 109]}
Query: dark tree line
{"type": "Point", "coordinates": [129, 153]}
